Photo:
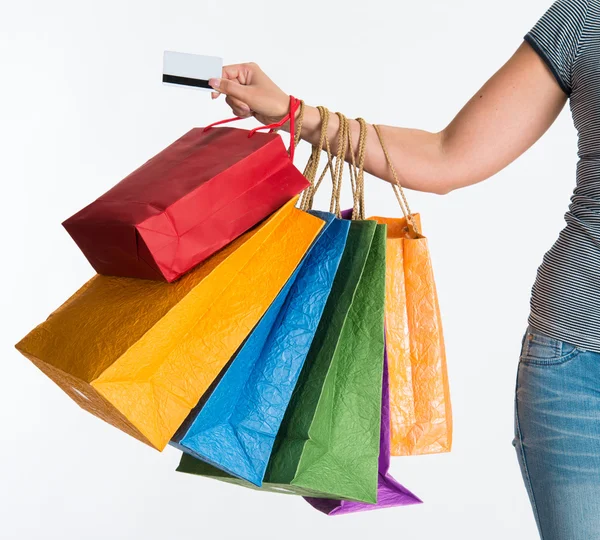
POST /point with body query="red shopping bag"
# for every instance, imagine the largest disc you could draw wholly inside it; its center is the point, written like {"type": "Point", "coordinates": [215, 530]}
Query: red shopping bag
{"type": "Point", "coordinates": [187, 202]}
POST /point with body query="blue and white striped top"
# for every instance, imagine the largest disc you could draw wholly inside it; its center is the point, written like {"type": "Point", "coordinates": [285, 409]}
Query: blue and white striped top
{"type": "Point", "coordinates": [565, 302]}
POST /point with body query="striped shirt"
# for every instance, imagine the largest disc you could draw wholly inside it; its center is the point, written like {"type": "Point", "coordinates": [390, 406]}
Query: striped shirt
{"type": "Point", "coordinates": [565, 301]}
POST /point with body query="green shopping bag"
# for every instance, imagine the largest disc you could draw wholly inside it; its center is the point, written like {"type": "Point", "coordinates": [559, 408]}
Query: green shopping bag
{"type": "Point", "coordinates": [328, 443]}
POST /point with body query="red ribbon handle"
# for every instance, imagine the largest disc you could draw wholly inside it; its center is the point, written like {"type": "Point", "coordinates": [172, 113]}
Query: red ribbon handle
{"type": "Point", "coordinates": [294, 104]}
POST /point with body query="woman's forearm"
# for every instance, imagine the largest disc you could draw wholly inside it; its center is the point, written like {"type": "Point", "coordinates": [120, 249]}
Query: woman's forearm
{"type": "Point", "coordinates": [416, 153]}
{"type": "Point", "coordinates": [502, 120]}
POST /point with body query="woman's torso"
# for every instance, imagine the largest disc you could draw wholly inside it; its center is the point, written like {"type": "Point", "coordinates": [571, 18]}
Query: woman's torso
{"type": "Point", "coordinates": [565, 300]}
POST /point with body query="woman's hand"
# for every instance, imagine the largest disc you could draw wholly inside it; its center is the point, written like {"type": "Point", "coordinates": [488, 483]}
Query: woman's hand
{"type": "Point", "coordinates": [251, 93]}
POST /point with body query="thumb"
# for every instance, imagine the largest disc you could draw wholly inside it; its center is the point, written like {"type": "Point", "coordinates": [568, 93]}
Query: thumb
{"type": "Point", "coordinates": [229, 88]}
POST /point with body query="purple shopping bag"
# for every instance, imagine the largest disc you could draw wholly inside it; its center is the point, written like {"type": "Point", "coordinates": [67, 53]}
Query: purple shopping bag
{"type": "Point", "coordinates": [389, 492]}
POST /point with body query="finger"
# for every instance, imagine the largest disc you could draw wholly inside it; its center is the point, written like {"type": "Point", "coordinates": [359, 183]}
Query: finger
{"type": "Point", "coordinates": [231, 71]}
{"type": "Point", "coordinates": [235, 103]}
{"type": "Point", "coordinates": [242, 73]}
{"type": "Point", "coordinates": [230, 88]}
{"type": "Point", "coordinates": [215, 95]}
{"type": "Point", "coordinates": [242, 113]}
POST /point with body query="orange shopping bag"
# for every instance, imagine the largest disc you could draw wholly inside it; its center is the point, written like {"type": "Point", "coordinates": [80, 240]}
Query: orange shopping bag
{"type": "Point", "coordinates": [139, 354]}
{"type": "Point", "coordinates": [420, 409]}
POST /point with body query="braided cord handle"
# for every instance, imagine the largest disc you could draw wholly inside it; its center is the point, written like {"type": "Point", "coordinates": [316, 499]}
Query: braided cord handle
{"type": "Point", "coordinates": [310, 171]}
{"type": "Point", "coordinates": [398, 191]}
{"type": "Point", "coordinates": [336, 167]}
{"type": "Point", "coordinates": [357, 173]}
{"type": "Point", "coordinates": [333, 165]}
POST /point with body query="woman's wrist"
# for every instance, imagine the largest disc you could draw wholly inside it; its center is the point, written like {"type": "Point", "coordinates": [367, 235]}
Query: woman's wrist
{"type": "Point", "coordinates": [311, 120]}
{"type": "Point", "coordinates": [310, 130]}
{"type": "Point", "coordinates": [286, 126]}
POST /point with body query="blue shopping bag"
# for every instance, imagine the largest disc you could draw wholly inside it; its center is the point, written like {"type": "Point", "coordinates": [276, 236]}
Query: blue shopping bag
{"type": "Point", "coordinates": [235, 428]}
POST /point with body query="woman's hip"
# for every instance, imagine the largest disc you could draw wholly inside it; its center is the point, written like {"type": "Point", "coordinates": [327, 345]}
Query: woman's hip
{"type": "Point", "coordinates": [557, 435]}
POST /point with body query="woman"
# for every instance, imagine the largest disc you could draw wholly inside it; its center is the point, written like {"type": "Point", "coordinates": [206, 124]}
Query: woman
{"type": "Point", "coordinates": [557, 406]}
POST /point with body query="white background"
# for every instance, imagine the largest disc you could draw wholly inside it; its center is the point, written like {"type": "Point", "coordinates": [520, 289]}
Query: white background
{"type": "Point", "coordinates": [82, 105]}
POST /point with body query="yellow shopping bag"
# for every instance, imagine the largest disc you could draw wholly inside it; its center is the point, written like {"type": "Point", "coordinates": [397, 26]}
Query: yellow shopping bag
{"type": "Point", "coordinates": [139, 354]}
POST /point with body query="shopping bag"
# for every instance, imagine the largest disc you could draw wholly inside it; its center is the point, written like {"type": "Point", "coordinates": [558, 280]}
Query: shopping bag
{"type": "Point", "coordinates": [236, 427]}
{"type": "Point", "coordinates": [421, 414]}
{"type": "Point", "coordinates": [420, 407]}
{"type": "Point", "coordinates": [140, 354]}
{"type": "Point", "coordinates": [389, 491]}
{"type": "Point", "coordinates": [187, 202]}
{"type": "Point", "coordinates": [328, 443]}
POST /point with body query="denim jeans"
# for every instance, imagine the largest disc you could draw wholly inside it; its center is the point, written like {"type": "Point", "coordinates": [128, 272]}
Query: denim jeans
{"type": "Point", "coordinates": [557, 435]}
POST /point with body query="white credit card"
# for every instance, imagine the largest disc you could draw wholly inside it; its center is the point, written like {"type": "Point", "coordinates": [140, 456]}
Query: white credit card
{"type": "Point", "coordinates": [192, 70]}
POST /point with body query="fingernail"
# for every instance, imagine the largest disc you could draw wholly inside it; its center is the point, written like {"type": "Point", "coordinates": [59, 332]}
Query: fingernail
{"type": "Point", "coordinates": [215, 83]}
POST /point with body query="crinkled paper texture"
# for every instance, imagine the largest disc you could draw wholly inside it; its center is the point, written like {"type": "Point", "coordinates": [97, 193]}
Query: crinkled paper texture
{"type": "Point", "coordinates": [421, 414]}
{"type": "Point", "coordinates": [235, 428]}
{"type": "Point", "coordinates": [328, 444]}
{"type": "Point", "coordinates": [389, 492]}
{"type": "Point", "coordinates": [187, 202]}
{"type": "Point", "coordinates": [140, 354]}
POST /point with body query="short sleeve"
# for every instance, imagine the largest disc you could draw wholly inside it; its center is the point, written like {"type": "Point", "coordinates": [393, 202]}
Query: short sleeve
{"type": "Point", "coordinates": [556, 38]}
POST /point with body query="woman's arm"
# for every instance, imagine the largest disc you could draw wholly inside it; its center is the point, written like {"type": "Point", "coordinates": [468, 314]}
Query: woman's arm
{"type": "Point", "coordinates": [512, 110]}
